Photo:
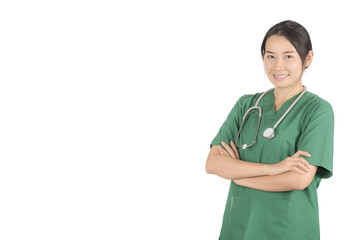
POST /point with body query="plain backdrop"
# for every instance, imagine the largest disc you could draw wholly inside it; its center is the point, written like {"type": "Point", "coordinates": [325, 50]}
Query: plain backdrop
{"type": "Point", "coordinates": [108, 108]}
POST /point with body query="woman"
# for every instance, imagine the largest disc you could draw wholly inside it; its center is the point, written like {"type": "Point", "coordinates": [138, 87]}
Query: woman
{"type": "Point", "coordinates": [273, 192]}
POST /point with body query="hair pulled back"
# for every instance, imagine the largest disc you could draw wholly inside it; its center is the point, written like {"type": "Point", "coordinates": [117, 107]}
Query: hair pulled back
{"type": "Point", "coordinates": [295, 33]}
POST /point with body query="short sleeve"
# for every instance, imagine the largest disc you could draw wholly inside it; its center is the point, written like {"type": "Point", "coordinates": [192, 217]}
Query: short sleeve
{"type": "Point", "coordinates": [317, 138]}
{"type": "Point", "coordinates": [230, 127]}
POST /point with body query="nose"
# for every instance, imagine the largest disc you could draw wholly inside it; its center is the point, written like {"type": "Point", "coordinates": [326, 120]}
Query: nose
{"type": "Point", "coordinates": [279, 64]}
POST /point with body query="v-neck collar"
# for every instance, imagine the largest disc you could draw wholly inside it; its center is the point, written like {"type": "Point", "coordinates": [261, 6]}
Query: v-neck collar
{"type": "Point", "coordinates": [269, 105]}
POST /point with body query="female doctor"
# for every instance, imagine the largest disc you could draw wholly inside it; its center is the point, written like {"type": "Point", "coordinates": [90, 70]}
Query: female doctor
{"type": "Point", "coordinates": [276, 153]}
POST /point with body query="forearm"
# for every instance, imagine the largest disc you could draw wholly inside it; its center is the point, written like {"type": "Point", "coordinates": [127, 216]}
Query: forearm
{"type": "Point", "coordinates": [288, 181]}
{"type": "Point", "coordinates": [230, 168]}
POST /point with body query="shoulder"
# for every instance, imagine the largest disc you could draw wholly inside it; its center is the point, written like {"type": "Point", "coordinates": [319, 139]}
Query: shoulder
{"type": "Point", "coordinates": [248, 99]}
{"type": "Point", "coordinates": [318, 111]}
{"type": "Point", "coordinates": [317, 105]}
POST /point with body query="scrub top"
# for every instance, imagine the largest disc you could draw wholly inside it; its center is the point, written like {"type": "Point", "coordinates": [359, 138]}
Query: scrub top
{"type": "Point", "coordinates": [252, 214]}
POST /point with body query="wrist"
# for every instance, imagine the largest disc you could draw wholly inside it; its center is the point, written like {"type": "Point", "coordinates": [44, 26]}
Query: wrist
{"type": "Point", "coordinates": [238, 181]}
{"type": "Point", "coordinates": [269, 169]}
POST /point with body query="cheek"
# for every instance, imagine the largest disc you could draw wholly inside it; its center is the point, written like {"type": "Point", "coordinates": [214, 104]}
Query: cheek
{"type": "Point", "coordinates": [268, 66]}
{"type": "Point", "coordinates": [295, 67]}
{"type": "Point", "coordinates": [296, 71]}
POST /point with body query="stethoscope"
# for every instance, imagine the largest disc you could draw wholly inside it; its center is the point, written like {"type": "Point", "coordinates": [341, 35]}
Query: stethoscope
{"type": "Point", "coordinates": [269, 133]}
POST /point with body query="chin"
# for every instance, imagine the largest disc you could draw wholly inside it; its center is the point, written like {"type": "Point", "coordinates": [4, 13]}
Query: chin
{"type": "Point", "coordinates": [283, 84]}
{"type": "Point", "coordinates": [280, 84]}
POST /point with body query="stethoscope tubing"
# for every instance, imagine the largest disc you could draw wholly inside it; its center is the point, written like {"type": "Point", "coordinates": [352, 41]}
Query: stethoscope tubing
{"type": "Point", "coordinates": [269, 132]}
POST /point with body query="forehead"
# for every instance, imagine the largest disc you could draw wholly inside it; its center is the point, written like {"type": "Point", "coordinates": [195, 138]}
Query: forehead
{"type": "Point", "coordinates": [278, 44]}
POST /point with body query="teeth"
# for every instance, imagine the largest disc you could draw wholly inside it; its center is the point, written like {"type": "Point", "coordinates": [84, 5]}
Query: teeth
{"type": "Point", "coordinates": [280, 75]}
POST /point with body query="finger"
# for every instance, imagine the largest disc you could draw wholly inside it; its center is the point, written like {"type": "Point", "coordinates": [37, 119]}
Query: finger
{"type": "Point", "coordinates": [298, 170]}
{"type": "Point", "coordinates": [306, 163]}
{"type": "Point", "coordinates": [302, 167]}
{"type": "Point", "coordinates": [220, 150]}
{"type": "Point", "coordinates": [302, 164]}
{"type": "Point", "coordinates": [235, 149]}
{"type": "Point", "coordinates": [301, 153]}
{"type": "Point", "coordinates": [223, 151]}
{"type": "Point", "coordinates": [298, 163]}
{"type": "Point", "coordinates": [228, 149]}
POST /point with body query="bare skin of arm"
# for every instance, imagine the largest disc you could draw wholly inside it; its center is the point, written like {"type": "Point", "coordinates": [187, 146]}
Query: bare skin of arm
{"type": "Point", "coordinates": [226, 163]}
{"type": "Point", "coordinates": [231, 168]}
{"type": "Point", "coordinates": [297, 179]}
{"type": "Point", "coordinates": [288, 181]}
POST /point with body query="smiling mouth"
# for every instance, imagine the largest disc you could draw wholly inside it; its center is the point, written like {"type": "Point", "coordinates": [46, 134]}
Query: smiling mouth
{"type": "Point", "coordinates": [280, 77]}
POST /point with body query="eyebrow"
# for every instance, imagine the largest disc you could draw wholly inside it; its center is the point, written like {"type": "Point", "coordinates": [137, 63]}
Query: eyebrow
{"type": "Point", "coordinates": [283, 52]}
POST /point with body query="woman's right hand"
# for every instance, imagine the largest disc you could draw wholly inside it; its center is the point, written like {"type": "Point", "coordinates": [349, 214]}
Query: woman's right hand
{"type": "Point", "coordinates": [293, 163]}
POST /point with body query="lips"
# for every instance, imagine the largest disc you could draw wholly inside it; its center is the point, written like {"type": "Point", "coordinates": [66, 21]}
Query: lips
{"type": "Point", "coordinates": [280, 76]}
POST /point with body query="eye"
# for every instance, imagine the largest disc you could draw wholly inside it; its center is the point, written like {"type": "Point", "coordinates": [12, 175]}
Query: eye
{"type": "Point", "coordinates": [288, 56]}
{"type": "Point", "coordinates": [270, 56]}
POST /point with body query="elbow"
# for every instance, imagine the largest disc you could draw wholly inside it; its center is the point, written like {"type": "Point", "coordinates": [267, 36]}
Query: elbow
{"type": "Point", "coordinates": [209, 167]}
{"type": "Point", "coordinates": [301, 185]}
{"type": "Point", "coordinates": [212, 167]}
{"type": "Point", "coordinates": [302, 181]}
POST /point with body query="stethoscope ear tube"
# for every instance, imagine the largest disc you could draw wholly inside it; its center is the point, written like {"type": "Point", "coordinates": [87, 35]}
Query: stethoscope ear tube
{"type": "Point", "coordinates": [244, 146]}
{"type": "Point", "coordinates": [269, 133]}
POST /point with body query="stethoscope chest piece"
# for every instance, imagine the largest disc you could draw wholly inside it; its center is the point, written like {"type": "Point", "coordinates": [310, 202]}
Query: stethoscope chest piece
{"type": "Point", "coordinates": [269, 133]}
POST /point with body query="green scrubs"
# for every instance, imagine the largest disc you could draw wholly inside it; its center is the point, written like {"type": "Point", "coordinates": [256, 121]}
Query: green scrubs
{"type": "Point", "coordinates": [252, 214]}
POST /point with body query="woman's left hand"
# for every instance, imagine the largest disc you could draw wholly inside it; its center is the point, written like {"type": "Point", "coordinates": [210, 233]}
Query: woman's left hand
{"type": "Point", "coordinates": [229, 151]}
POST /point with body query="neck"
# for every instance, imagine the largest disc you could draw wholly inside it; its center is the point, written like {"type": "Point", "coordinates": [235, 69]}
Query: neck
{"type": "Point", "coordinates": [283, 94]}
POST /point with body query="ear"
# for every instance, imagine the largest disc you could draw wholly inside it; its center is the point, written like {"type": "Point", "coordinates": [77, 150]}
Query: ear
{"type": "Point", "coordinates": [309, 58]}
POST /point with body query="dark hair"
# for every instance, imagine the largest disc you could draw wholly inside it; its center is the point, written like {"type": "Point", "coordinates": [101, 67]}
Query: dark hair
{"type": "Point", "coordinates": [295, 33]}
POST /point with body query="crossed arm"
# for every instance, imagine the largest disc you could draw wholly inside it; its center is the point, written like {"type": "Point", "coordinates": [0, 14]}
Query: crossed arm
{"type": "Point", "coordinates": [293, 173]}
{"type": "Point", "coordinates": [288, 181]}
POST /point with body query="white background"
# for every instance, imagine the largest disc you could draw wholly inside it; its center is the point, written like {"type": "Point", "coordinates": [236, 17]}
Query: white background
{"type": "Point", "coordinates": [108, 108]}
